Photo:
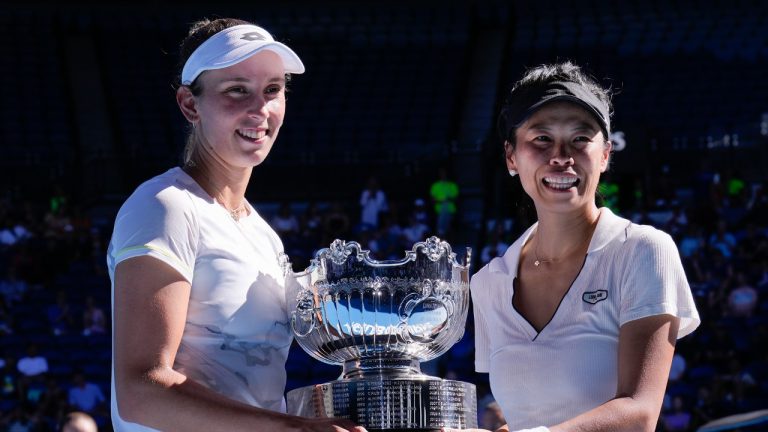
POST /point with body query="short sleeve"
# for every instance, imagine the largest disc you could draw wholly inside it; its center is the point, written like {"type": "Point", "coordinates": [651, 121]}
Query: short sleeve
{"type": "Point", "coordinates": [482, 340]}
{"type": "Point", "coordinates": [157, 223]}
{"type": "Point", "coordinates": [654, 282]}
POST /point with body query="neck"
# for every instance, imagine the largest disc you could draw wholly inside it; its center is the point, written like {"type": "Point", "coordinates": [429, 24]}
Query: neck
{"type": "Point", "coordinates": [558, 235]}
{"type": "Point", "coordinates": [225, 185]}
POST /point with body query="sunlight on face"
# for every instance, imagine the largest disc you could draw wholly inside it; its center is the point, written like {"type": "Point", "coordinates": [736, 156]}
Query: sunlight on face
{"type": "Point", "coordinates": [560, 153]}
{"type": "Point", "coordinates": [242, 108]}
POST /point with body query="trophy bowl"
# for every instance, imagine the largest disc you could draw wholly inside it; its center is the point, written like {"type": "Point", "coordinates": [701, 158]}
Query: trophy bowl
{"type": "Point", "coordinates": [379, 320]}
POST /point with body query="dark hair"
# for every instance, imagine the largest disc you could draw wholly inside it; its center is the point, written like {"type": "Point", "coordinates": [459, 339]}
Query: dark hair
{"type": "Point", "coordinates": [542, 75]}
{"type": "Point", "coordinates": [199, 32]}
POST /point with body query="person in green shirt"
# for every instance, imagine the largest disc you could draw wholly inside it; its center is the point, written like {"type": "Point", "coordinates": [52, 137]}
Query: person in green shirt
{"type": "Point", "coordinates": [444, 193]}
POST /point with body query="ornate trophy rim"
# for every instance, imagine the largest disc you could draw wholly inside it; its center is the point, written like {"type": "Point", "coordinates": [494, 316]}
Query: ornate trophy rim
{"type": "Point", "coordinates": [340, 251]}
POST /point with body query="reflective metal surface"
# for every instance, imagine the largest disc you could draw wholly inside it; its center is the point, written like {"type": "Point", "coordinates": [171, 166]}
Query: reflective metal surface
{"type": "Point", "coordinates": [379, 319]}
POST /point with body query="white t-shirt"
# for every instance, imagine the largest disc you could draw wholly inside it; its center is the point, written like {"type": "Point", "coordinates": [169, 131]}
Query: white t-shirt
{"type": "Point", "coordinates": [630, 272]}
{"type": "Point", "coordinates": [372, 203]}
{"type": "Point", "coordinates": [32, 366]}
{"type": "Point", "coordinates": [236, 337]}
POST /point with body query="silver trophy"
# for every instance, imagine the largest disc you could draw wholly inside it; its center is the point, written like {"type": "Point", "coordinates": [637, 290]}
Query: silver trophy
{"type": "Point", "coordinates": [379, 319]}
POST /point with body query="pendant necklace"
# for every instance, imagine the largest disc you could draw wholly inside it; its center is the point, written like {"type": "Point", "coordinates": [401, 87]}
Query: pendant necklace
{"type": "Point", "coordinates": [233, 213]}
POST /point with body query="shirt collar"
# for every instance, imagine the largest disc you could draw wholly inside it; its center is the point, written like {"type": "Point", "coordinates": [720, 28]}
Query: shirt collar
{"type": "Point", "coordinates": [609, 226]}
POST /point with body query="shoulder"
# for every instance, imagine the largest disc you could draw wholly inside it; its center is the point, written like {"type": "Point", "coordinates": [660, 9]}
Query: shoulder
{"type": "Point", "coordinates": [498, 270]}
{"type": "Point", "coordinates": [646, 237]}
{"type": "Point", "coordinates": [167, 193]}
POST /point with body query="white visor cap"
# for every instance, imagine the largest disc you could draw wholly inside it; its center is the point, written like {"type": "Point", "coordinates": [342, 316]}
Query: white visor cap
{"type": "Point", "coordinates": [233, 45]}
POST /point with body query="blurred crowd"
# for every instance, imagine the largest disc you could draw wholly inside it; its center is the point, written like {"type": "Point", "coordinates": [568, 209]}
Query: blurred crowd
{"type": "Point", "coordinates": [55, 297]}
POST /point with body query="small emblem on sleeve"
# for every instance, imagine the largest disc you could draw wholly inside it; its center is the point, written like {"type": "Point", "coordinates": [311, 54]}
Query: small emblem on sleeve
{"type": "Point", "coordinates": [595, 296]}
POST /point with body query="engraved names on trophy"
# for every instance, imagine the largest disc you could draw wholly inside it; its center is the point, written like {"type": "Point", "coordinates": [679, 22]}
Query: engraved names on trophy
{"type": "Point", "coordinates": [400, 404]}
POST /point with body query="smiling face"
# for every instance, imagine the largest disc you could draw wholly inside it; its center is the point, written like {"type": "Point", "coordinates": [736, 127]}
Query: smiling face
{"type": "Point", "coordinates": [559, 152]}
{"type": "Point", "coordinates": [239, 111]}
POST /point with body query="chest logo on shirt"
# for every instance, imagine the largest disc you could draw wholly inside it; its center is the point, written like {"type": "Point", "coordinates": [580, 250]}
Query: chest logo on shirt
{"type": "Point", "coordinates": [595, 296]}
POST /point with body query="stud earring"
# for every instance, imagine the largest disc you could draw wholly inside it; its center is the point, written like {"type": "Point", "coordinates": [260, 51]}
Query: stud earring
{"type": "Point", "coordinates": [512, 173]}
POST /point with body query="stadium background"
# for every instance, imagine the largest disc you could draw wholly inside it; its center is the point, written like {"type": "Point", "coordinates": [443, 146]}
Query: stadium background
{"type": "Point", "coordinates": [395, 90]}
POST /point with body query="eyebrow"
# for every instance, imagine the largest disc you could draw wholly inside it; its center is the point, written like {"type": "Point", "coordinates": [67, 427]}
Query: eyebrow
{"type": "Point", "coordinates": [274, 79]}
{"type": "Point", "coordinates": [580, 126]}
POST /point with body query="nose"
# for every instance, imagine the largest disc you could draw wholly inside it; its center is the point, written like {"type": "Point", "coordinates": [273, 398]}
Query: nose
{"type": "Point", "coordinates": [258, 108]}
{"type": "Point", "coordinates": [561, 155]}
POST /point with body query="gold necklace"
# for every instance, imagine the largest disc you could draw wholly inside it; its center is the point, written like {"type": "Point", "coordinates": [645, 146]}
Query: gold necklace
{"type": "Point", "coordinates": [233, 213]}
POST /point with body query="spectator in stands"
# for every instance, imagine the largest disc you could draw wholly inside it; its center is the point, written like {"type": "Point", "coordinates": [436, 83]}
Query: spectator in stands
{"type": "Point", "coordinates": [12, 288]}
{"type": "Point", "coordinates": [57, 222]}
{"type": "Point", "coordinates": [85, 395]}
{"type": "Point", "coordinates": [51, 399]}
{"type": "Point", "coordinates": [415, 231]}
{"type": "Point", "coordinates": [495, 246]}
{"type": "Point", "coordinates": [677, 368]}
{"type": "Point", "coordinates": [589, 350]}
{"type": "Point", "coordinates": [723, 240]}
{"type": "Point", "coordinates": [373, 201]}
{"type": "Point", "coordinates": [387, 241]}
{"type": "Point", "coordinates": [33, 364]}
{"type": "Point", "coordinates": [678, 419]}
{"type": "Point", "coordinates": [705, 409]}
{"type": "Point", "coordinates": [336, 223]}
{"type": "Point", "coordinates": [6, 319]}
{"type": "Point", "coordinates": [742, 300]}
{"type": "Point", "coordinates": [677, 222]}
{"type": "Point", "coordinates": [284, 222]}
{"type": "Point", "coordinates": [94, 321]}
{"type": "Point", "coordinates": [22, 419]}
{"type": "Point", "coordinates": [13, 232]}
{"type": "Point", "coordinates": [420, 211]}
{"type": "Point", "coordinates": [77, 421]}
{"type": "Point", "coordinates": [8, 378]}
{"type": "Point", "coordinates": [200, 334]}
{"type": "Point", "coordinates": [60, 315]}
{"type": "Point", "coordinates": [692, 241]}
{"type": "Point", "coordinates": [444, 193]}
{"type": "Point", "coordinates": [312, 223]}
{"type": "Point", "coordinates": [752, 245]}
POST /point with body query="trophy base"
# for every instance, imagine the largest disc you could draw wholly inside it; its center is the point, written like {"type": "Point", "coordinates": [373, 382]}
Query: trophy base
{"type": "Point", "coordinates": [418, 403]}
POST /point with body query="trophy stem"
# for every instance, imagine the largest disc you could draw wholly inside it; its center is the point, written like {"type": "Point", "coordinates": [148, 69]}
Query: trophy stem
{"type": "Point", "coordinates": [381, 367]}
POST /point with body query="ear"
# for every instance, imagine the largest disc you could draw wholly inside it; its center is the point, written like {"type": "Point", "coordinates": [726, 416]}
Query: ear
{"type": "Point", "coordinates": [187, 104]}
{"type": "Point", "coordinates": [509, 156]}
{"type": "Point", "coordinates": [606, 156]}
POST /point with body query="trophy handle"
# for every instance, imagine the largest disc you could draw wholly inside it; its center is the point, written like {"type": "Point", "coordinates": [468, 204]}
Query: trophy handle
{"type": "Point", "coordinates": [407, 307]}
{"type": "Point", "coordinates": [304, 312]}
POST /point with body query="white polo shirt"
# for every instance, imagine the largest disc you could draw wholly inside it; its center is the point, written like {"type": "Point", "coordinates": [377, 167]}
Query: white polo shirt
{"type": "Point", "coordinates": [570, 367]}
{"type": "Point", "coordinates": [236, 337]}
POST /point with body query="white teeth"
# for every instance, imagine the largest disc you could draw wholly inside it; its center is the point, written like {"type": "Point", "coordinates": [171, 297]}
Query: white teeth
{"type": "Point", "coordinates": [560, 182]}
{"type": "Point", "coordinates": [250, 133]}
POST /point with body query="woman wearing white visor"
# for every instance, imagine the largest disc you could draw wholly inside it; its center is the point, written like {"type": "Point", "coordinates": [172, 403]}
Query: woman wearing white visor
{"type": "Point", "coordinates": [201, 330]}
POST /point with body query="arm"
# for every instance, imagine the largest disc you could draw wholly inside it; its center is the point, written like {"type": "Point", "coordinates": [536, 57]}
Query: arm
{"type": "Point", "coordinates": [646, 347]}
{"type": "Point", "coordinates": [151, 302]}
